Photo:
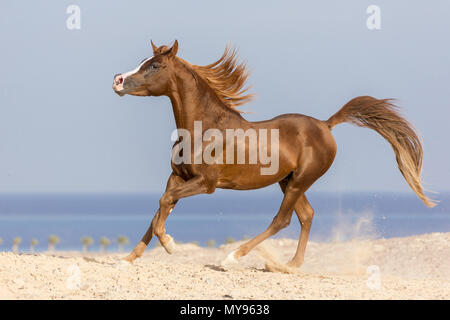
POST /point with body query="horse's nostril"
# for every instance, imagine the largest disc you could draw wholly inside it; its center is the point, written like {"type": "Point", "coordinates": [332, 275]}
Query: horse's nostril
{"type": "Point", "coordinates": [118, 79]}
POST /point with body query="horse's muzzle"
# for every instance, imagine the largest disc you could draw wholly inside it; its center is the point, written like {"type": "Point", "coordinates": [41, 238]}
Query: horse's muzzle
{"type": "Point", "coordinates": [118, 84]}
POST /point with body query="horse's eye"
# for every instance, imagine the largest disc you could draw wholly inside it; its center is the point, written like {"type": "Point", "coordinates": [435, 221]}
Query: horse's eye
{"type": "Point", "coordinates": [154, 66]}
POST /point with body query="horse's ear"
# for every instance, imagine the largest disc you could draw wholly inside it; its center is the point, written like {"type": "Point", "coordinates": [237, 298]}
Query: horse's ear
{"type": "Point", "coordinates": [154, 47]}
{"type": "Point", "coordinates": [172, 52]}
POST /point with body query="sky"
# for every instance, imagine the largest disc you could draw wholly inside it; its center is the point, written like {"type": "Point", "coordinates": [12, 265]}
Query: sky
{"type": "Point", "coordinates": [63, 129]}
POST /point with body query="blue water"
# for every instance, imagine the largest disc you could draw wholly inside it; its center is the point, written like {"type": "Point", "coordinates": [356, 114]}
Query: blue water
{"type": "Point", "coordinates": [218, 216]}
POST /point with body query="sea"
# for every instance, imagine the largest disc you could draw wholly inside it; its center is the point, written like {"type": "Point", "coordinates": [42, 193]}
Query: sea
{"type": "Point", "coordinates": [223, 216]}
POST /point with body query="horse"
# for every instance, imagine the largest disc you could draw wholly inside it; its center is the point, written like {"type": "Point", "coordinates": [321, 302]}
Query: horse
{"type": "Point", "coordinates": [306, 147]}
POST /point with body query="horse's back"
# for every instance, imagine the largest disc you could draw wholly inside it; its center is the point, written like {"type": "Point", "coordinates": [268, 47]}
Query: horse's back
{"type": "Point", "coordinates": [307, 129]}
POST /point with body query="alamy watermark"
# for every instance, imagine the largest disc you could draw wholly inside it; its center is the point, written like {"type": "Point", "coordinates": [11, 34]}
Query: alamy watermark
{"type": "Point", "coordinates": [374, 280]}
{"type": "Point", "coordinates": [231, 149]}
{"type": "Point", "coordinates": [73, 21]}
{"type": "Point", "coordinates": [374, 20]}
{"type": "Point", "coordinates": [73, 281]}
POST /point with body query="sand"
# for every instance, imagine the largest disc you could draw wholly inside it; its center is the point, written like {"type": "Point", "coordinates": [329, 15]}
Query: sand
{"type": "Point", "coordinates": [416, 267]}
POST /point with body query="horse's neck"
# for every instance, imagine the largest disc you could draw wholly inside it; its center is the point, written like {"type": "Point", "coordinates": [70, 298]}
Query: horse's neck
{"type": "Point", "coordinates": [192, 101]}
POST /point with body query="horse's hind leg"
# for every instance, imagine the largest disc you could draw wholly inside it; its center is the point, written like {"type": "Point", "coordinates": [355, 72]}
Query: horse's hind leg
{"type": "Point", "coordinates": [281, 220]}
{"type": "Point", "coordinates": [305, 214]}
{"type": "Point", "coordinates": [296, 185]}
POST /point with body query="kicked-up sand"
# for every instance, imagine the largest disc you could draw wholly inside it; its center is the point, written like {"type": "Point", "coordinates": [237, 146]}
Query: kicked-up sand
{"type": "Point", "coordinates": [416, 267]}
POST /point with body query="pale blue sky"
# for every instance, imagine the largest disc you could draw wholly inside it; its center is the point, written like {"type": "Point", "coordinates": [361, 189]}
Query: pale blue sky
{"type": "Point", "coordinates": [63, 129]}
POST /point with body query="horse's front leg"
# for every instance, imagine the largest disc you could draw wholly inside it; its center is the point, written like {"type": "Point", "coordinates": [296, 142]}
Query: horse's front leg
{"type": "Point", "coordinates": [139, 250]}
{"type": "Point", "coordinates": [188, 188]}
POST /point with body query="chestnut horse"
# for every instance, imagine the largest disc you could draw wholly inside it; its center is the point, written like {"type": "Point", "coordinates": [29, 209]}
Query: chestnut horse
{"type": "Point", "coordinates": [306, 147]}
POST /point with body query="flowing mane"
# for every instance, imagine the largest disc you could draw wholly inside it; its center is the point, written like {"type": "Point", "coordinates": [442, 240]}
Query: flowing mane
{"type": "Point", "coordinates": [227, 78]}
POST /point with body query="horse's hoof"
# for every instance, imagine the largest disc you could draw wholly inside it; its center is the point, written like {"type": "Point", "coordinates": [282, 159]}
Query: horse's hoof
{"type": "Point", "coordinates": [122, 265]}
{"type": "Point", "coordinates": [230, 260]}
{"type": "Point", "coordinates": [170, 245]}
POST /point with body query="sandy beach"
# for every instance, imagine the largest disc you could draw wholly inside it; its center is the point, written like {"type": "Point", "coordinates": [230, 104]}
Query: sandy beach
{"type": "Point", "coordinates": [416, 267]}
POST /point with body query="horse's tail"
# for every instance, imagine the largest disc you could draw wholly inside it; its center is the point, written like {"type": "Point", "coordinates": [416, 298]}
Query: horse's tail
{"type": "Point", "coordinates": [383, 117]}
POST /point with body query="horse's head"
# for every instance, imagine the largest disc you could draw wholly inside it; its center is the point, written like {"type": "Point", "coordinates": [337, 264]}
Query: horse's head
{"type": "Point", "coordinates": [151, 77]}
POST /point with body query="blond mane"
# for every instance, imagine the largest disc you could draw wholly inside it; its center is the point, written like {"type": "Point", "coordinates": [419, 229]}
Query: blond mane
{"type": "Point", "coordinates": [227, 78]}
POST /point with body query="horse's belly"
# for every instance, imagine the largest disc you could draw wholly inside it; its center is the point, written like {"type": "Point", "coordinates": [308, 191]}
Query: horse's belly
{"type": "Point", "coordinates": [247, 177]}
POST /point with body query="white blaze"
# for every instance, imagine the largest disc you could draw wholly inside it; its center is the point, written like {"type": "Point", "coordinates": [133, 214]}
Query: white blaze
{"type": "Point", "coordinates": [129, 73]}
